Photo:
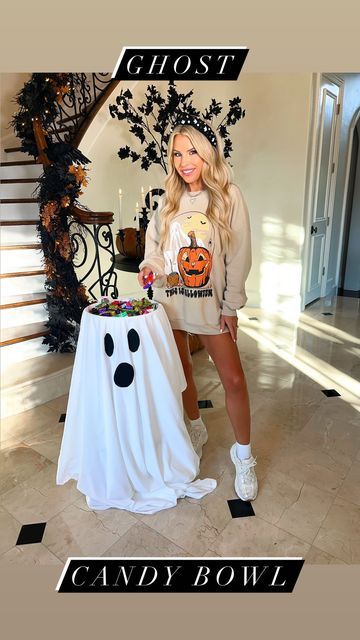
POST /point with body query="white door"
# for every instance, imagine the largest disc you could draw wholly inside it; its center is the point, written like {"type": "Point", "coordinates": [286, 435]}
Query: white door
{"type": "Point", "coordinates": [319, 228]}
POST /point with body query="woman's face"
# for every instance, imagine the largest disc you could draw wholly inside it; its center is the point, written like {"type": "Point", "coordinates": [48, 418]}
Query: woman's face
{"type": "Point", "coordinates": [187, 162]}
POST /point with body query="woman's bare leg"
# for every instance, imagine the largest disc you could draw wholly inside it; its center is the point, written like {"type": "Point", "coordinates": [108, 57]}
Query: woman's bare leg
{"type": "Point", "coordinates": [225, 355]}
{"type": "Point", "coordinates": [190, 396]}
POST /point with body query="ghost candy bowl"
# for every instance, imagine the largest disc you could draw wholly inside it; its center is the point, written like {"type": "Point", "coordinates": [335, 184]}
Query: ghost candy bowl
{"type": "Point", "coordinates": [125, 441]}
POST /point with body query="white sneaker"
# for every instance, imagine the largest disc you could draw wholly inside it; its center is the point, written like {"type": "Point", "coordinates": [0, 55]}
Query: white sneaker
{"type": "Point", "coordinates": [246, 485]}
{"type": "Point", "coordinates": [198, 437]}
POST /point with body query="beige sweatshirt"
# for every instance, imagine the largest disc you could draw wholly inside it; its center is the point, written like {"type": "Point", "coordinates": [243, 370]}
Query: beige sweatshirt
{"type": "Point", "coordinates": [197, 282]}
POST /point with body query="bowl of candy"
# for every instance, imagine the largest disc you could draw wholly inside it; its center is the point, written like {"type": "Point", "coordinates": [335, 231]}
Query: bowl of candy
{"type": "Point", "coordinates": [122, 308]}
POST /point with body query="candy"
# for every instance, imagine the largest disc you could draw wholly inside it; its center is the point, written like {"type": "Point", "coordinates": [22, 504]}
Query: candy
{"type": "Point", "coordinates": [122, 308]}
{"type": "Point", "coordinates": [148, 280]}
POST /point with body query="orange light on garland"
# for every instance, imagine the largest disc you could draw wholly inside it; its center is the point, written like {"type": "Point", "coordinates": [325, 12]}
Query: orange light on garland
{"type": "Point", "coordinates": [65, 201]}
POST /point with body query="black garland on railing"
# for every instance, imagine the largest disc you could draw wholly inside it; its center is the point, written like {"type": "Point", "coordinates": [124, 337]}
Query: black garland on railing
{"type": "Point", "coordinates": [155, 134]}
{"type": "Point", "coordinates": [59, 188]}
{"type": "Point", "coordinates": [39, 99]}
{"type": "Point", "coordinates": [58, 191]}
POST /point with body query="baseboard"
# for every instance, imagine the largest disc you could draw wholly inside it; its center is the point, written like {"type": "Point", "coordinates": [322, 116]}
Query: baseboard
{"type": "Point", "coordinates": [349, 293]}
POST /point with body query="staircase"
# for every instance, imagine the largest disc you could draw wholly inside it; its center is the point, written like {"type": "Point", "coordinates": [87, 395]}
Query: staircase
{"type": "Point", "coordinates": [30, 374]}
{"type": "Point", "coordinates": [22, 299]}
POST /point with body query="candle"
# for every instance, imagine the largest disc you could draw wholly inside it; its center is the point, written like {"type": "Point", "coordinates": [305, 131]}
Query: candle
{"type": "Point", "coordinates": [142, 196]}
{"type": "Point", "coordinates": [150, 199]}
{"type": "Point", "coordinates": [137, 216]}
{"type": "Point", "coordinates": [120, 217]}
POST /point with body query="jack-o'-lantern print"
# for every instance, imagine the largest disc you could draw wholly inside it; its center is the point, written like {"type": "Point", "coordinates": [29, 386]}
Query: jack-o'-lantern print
{"type": "Point", "coordinates": [194, 263]}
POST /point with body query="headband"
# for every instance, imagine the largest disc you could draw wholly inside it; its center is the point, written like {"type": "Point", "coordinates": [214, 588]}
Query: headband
{"type": "Point", "coordinates": [197, 123]}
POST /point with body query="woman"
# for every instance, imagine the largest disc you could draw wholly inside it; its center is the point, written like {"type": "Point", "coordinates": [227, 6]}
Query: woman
{"type": "Point", "coordinates": [198, 246]}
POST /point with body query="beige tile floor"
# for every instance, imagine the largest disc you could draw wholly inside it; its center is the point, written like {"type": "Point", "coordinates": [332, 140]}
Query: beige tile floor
{"type": "Point", "coordinates": [307, 446]}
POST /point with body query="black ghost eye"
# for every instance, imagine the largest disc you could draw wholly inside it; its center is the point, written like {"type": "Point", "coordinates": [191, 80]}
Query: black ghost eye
{"type": "Point", "coordinates": [124, 375]}
{"type": "Point", "coordinates": [109, 344]}
{"type": "Point", "coordinates": [133, 340]}
{"type": "Point", "coordinates": [202, 222]}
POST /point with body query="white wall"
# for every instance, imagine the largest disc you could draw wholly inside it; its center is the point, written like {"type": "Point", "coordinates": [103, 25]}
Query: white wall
{"type": "Point", "coordinates": [269, 160]}
{"type": "Point", "coordinates": [10, 85]}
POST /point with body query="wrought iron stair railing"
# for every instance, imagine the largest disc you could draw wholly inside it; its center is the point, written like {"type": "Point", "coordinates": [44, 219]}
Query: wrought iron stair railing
{"type": "Point", "coordinates": [76, 111]}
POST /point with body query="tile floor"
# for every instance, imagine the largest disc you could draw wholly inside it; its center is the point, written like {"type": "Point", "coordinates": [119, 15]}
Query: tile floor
{"type": "Point", "coordinates": [307, 446]}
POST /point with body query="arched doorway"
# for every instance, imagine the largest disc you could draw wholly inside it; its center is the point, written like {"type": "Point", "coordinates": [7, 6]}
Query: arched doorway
{"type": "Point", "coordinates": [349, 274]}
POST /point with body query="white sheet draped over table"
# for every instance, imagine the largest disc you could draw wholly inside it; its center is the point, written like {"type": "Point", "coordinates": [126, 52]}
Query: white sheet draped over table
{"type": "Point", "coordinates": [128, 446]}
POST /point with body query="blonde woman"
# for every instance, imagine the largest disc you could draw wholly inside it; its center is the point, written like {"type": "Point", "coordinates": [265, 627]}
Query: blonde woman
{"type": "Point", "coordinates": [198, 246]}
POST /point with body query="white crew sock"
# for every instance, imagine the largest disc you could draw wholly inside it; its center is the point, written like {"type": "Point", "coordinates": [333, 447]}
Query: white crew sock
{"type": "Point", "coordinates": [243, 451]}
{"type": "Point", "coordinates": [198, 423]}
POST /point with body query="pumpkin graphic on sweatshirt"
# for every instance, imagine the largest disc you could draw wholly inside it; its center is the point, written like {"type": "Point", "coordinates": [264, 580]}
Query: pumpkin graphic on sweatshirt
{"type": "Point", "coordinates": [194, 263]}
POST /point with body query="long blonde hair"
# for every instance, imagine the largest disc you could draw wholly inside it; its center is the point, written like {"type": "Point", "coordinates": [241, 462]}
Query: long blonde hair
{"type": "Point", "coordinates": [216, 176]}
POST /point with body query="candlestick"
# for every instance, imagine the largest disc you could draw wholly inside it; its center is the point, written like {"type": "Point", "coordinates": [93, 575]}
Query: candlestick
{"type": "Point", "coordinates": [142, 196]}
{"type": "Point", "coordinates": [120, 217]}
{"type": "Point", "coordinates": [150, 199]}
{"type": "Point", "coordinates": [137, 217]}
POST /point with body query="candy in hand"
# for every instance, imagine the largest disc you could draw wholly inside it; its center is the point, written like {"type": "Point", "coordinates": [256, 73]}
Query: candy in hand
{"type": "Point", "coordinates": [148, 280]}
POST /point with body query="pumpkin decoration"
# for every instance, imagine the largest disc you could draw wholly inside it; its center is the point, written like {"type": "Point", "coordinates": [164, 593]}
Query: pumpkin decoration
{"type": "Point", "coordinates": [173, 278]}
{"type": "Point", "coordinates": [194, 264]}
{"type": "Point", "coordinates": [131, 243]}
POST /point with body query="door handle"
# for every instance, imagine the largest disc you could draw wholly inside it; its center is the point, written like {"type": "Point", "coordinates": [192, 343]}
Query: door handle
{"type": "Point", "coordinates": [313, 229]}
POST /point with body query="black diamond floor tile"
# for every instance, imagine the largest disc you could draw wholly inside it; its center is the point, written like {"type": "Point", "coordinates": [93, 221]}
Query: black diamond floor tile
{"type": "Point", "coordinates": [327, 313]}
{"type": "Point", "coordinates": [205, 404]}
{"type": "Point", "coordinates": [31, 533]}
{"type": "Point", "coordinates": [240, 509]}
{"type": "Point", "coordinates": [62, 417]}
{"type": "Point", "coordinates": [330, 392]}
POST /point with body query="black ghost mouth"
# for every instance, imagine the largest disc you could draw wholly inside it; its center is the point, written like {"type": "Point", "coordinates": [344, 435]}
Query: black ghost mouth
{"type": "Point", "coordinates": [124, 374]}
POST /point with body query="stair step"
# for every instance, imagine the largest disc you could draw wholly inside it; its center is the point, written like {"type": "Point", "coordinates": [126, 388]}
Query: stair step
{"type": "Point", "coordinates": [38, 380]}
{"type": "Point", "coordinates": [13, 149]}
{"type": "Point", "coordinates": [20, 212]}
{"type": "Point", "coordinates": [16, 317]}
{"type": "Point", "coordinates": [11, 223]}
{"type": "Point", "coordinates": [19, 163]}
{"type": "Point", "coordinates": [20, 234]}
{"type": "Point", "coordinates": [21, 171]}
{"type": "Point", "coordinates": [18, 353]}
{"type": "Point", "coordinates": [37, 368]}
{"type": "Point", "coordinates": [10, 246]}
{"type": "Point", "coordinates": [19, 286]}
{"type": "Point", "coordinates": [30, 271]}
{"type": "Point", "coordinates": [15, 189]}
{"type": "Point", "coordinates": [14, 335]}
{"type": "Point", "coordinates": [23, 300]}
{"type": "Point", "coordinates": [18, 180]}
{"type": "Point", "coordinates": [18, 200]}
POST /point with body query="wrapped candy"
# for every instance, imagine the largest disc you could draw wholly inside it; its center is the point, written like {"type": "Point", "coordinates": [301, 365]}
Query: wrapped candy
{"type": "Point", "coordinates": [148, 280]}
{"type": "Point", "coordinates": [122, 308]}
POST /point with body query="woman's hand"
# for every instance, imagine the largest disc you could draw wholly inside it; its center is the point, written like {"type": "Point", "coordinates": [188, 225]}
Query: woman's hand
{"type": "Point", "coordinates": [142, 274]}
{"type": "Point", "coordinates": [232, 323]}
